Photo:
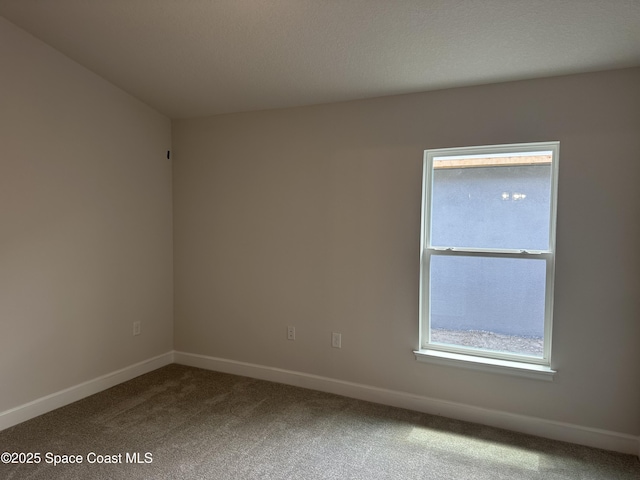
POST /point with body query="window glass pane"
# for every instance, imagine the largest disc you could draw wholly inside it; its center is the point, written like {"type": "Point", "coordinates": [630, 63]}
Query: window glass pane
{"type": "Point", "coordinates": [504, 206]}
{"type": "Point", "coordinates": [488, 303]}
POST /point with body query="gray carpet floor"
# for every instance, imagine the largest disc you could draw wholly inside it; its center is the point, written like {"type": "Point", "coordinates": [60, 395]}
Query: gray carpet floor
{"type": "Point", "coordinates": [196, 424]}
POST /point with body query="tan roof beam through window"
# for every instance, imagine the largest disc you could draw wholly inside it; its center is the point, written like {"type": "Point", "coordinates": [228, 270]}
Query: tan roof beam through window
{"type": "Point", "coordinates": [493, 161]}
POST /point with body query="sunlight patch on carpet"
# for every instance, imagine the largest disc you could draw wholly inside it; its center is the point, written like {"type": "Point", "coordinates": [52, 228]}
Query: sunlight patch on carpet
{"type": "Point", "coordinates": [475, 448]}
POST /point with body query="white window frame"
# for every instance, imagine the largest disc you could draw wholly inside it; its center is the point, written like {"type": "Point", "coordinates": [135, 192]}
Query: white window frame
{"type": "Point", "coordinates": [522, 365]}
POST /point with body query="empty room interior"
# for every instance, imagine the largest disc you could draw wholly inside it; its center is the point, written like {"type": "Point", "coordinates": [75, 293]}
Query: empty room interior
{"type": "Point", "coordinates": [320, 239]}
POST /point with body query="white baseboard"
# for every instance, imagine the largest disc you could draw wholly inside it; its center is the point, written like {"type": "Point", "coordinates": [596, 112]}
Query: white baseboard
{"type": "Point", "coordinates": [566, 432]}
{"type": "Point", "coordinates": [25, 412]}
{"type": "Point", "coordinates": [592, 437]}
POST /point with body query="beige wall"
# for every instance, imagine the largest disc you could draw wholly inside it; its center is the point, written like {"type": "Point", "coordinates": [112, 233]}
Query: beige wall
{"type": "Point", "coordinates": [85, 224]}
{"type": "Point", "coordinates": [310, 217]}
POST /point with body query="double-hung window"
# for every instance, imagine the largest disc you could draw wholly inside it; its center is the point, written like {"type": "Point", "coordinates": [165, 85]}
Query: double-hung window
{"type": "Point", "coordinates": [487, 261]}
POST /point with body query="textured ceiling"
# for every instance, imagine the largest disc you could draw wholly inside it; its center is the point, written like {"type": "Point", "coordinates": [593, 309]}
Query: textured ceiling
{"type": "Point", "coordinates": [201, 57]}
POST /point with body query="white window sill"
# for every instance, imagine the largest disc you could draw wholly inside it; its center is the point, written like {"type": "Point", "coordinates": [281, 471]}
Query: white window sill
{"type": "Point", "coordinates": [508, 367]}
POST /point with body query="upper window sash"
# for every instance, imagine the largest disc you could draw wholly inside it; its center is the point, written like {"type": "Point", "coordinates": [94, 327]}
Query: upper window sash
{"type": "Point", "coordinates": [452, 157]}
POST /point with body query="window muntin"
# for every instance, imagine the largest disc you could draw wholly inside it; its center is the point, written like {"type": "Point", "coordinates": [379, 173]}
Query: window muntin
{"type": "Point", "coordinates": [488, 250]}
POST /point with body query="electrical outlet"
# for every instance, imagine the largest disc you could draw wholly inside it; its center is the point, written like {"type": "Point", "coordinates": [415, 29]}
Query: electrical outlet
{"type": "Point", "coordinates": [291, 333]}
{"type": "Point", "coordinates": [136, 328]}
{"type": "Point", "coordinates": [336, 340]}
